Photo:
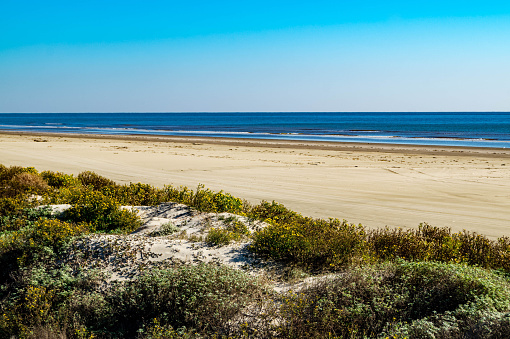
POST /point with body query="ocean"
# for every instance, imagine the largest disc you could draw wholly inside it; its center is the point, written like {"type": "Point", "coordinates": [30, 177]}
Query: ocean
{"type": "Point", "coordinates": [487, 129]}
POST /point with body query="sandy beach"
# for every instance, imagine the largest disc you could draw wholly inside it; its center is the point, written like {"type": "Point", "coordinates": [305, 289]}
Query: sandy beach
{"type": "Point", "coordinates": [372, 184]}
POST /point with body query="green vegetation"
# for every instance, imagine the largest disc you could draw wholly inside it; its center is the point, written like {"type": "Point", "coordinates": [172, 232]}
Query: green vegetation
{"type": "Point", "coordinates": [401, 299]}
{"type": "Point", "coordinates": [387, 283]}
{"type": "Point", "coordinates": [166, 229]}
{"type": "Point", "coordinates": [235, 231]}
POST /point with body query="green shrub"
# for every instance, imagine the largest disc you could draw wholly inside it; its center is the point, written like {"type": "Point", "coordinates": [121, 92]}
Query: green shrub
{"type": "Point", "coordinates": [234, 230]}
{"type": "Point", "coordinates": [221, 237]}
{"type": "Point", "coordinates": [138, 195]}
{"type": "Point", "coordinates": [224, 202]}
{"type": "Point", "coordinates": [237, 226]}
{"type": "Point", "coordinates": [204, 199]}
{"type": "Point", "coordinates": [182, 195]}
{"type": "Point", "coordinates": [390, 299]}
{"type": "Point", "coordinates": [103, 213]}
{"type": "Point", "coordinates": [24, 218]}
{"type": "Point", "coordinates": [204, 297]}
{"type": "Point", "coordinates": [58, 179]}
{"type": "Point", "coordinates": [98, 182]}
{"type": "Point", "coordinates": [16, 180]}
{"type": "Point", "coordinates": [312, 243]}
{"type": "Point", "coordinates": [440, 244]}
{"type": "Point", "coordinates": [14, 206]}
{"type": "Point", "coordinates": [274, 212]}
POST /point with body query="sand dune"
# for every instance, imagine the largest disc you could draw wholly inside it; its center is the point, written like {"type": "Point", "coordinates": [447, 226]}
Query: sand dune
{"type": "Point", "coordinates": [375, 185]}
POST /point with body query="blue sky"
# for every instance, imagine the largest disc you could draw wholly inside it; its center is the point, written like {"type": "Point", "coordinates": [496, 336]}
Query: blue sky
{"type": "Point", "coordinates": [166, 56]}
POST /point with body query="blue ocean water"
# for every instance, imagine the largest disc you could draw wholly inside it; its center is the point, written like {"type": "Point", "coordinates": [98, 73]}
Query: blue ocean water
{"type": "Point", "coordinates": [485, 129]}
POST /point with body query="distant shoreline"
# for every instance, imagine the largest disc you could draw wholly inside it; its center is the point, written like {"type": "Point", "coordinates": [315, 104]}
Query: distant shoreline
{"type": "Point", "coordinates": [290, 144]}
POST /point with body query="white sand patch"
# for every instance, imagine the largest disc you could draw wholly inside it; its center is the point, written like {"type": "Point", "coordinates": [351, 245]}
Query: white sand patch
{"type": "Point", "coordinates": [124, 256]}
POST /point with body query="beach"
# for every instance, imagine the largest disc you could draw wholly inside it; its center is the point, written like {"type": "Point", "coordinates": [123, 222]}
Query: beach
{"type": "Point", "coordinates": [376, 185]}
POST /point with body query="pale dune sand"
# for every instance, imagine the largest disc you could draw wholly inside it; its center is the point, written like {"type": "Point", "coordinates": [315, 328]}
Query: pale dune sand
{"type": "Point", "coordinates": [375, 185]}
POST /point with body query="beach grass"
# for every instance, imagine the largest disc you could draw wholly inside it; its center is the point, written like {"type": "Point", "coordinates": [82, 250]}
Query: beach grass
{"type": "Point", "coordinates": [426, 282]}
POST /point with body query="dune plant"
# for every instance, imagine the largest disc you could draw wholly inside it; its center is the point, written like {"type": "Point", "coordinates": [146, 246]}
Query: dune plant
{"type": "Point", "coordinates": [221, 237]}
{"type": "Point", "coordinates": [89, 178]}
{"type": "Point", "coordinates": [440, 244]}
{"type": "Point", "coordinates": [58, 179]}
{"type": "Point", "coordinates": [395, 300]}
{"type": "Point", "coordinates": [166, 229]}
{"type": "Point", "coordinates": [313, 243]}
{"type": "Point", "coordinates": [102, 212]}
{"type": "Point", "coordinates": [204, 199]}
{"type": "Point", "coordinates": [204, 297]}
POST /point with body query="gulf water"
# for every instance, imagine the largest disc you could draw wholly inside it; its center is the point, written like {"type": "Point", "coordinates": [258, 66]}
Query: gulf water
{"type": "Point", "coordinates": [470, 129]}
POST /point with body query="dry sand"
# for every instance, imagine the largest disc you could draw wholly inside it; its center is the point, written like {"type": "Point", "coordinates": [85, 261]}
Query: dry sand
{"type": "Point", "coordinates": [375, 185]}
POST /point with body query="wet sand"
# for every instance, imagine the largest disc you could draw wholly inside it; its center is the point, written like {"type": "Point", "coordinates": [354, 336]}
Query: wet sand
{"type": "Point", "coordinates": [371, 184]}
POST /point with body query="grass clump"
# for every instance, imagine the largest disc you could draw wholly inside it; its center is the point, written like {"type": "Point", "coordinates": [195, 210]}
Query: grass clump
{"type": "Point", "coordinates": [235, 230]}
{"type": "Point", "coordinates": [221, 237]}
{"type": "Point", "coordinates": [166, 229]}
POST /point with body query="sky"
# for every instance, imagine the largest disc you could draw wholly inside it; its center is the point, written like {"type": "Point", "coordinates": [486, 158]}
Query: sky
{"type": "Point", "coordinates": [250, 56]}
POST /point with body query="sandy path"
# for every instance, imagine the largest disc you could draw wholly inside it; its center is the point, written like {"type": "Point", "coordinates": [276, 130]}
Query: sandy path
{"type": "Point", "coordinates": [394, 186]}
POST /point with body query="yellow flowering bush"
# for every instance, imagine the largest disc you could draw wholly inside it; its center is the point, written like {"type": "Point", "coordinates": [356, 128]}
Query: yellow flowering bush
{"type": "Point", "coordinates": [136, 194]}
{"type": "Point", "coordinates": [54, 233]}
{"type": "Point", "coordinates": [58, 179]}
{"type": "Point", "coordinates": [102, 212]}
{"type": "Point", "coordinates": [314, 243]}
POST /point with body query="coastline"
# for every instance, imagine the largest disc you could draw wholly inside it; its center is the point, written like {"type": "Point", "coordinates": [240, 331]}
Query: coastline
{"type": "Point", "coordinates": [371, 184]}
{"type": "Point", "coordinates": [291, 144]}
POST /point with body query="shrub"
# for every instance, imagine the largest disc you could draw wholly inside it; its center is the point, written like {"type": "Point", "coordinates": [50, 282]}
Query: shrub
{"type": "Point", "coordinates": [103, 213]}
{"type": "Point", "coordinates": [440, 244]}
{"type": "Point", "coordinates": [17, 212]}
{"type": "Point", "coordinates": [204, 297]}
{"type": "Point", "coordinates": [7, 173]}
{"type": "Point", "coordinates": [182, 195]}
{"type": "Point", "coordinates": [390, 299]}
{"type": "Point", "coordinates": [55, 233]}
{"type": "Point", "coordinates": [16, 180]}
{"type": "Point", "coordinates": [44, 234]}
{"type": "Point", "coordinates": [98, 182]}
{"type": "Point", "coordinates": [29, 182]}
{"type": "Point", "coordinates": [24, 218]}
{"type": "Point", "coordinates": [274, 212]}
{"type": "Point", "coordinates": [137, 194]}
{"type": "Point", "coordinates": [58, 179]}
{"type": "Point", "coordinates": [224, 202]}
{"type": "Point", "coordinates": [235, 230]}
{"type": "Point", "coordinates": [312, 243]}
{"type": "Point", "coordinates": [237, 226]}
{"type": "Point", "coordinates": [221, 237]}
{"type": "Point", "coordinates": [204, 199]}
{"type": "Point", "coordinates": [13, 206]}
